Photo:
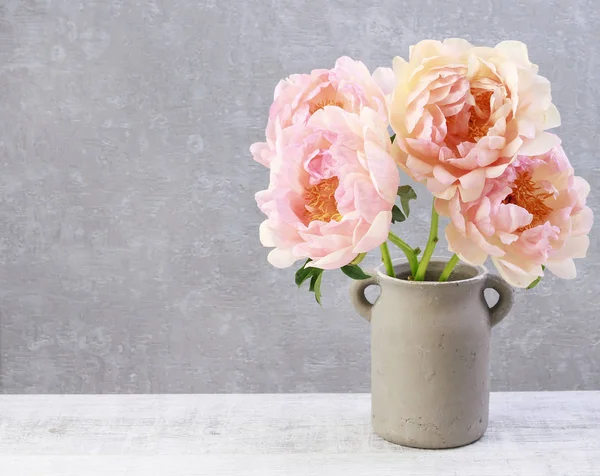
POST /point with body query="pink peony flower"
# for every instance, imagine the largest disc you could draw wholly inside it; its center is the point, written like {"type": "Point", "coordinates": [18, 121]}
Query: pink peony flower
{"type": "Point", "coordinates": [333, 184]}
{"type": "Point", "coordinates": [462, 113]}
{"type": "Point", "coordinates": [534, 214]}
{"type": "Point", "coordinates": [349, 85]}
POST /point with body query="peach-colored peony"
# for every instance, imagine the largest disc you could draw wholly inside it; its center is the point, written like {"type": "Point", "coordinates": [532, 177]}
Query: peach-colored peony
{"type": "Point", "coordinates": [349, 85]}
{"type": "Point", "coordinates": [462, 113]}
{"type": "Point", "coordinates": [333, 184]}
{"type": "Point", "coordinates": [534, 214]}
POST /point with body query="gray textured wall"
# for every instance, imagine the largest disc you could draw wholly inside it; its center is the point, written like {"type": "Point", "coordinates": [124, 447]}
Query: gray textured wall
{"type": "Point", "coordinates": [129, 257]}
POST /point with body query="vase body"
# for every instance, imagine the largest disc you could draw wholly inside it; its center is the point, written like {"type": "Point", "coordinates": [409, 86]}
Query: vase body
{"type": "Point", "coordinates": [430, 346]}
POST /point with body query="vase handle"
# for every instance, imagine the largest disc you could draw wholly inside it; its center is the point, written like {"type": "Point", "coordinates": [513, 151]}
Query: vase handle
{"type": "Point", "coordinates": [357, 294]}
{"type": "Point", "coordinates": [505, 298]}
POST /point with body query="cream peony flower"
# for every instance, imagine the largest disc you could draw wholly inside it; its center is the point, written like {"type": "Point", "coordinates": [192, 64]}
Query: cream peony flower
{"type": "Point", "coordinates": [462, 113]}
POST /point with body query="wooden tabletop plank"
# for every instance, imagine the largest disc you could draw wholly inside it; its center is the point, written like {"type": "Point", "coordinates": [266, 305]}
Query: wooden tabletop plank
{"type": "Point", "coordinates": [545, 433]}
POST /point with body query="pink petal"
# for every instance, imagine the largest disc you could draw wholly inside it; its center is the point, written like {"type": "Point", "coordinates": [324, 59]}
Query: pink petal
{"type": "Point", "coordinates": [484, 209]}
{"type": "Point", "coordinates": [414, 111]}
{"type": "Point", "coordinates": [581, 224]}
{"type": "Point", "coordinates": [424, 128]}
{"type": "Point", "coordinates": [464, 247]}
{"type": "Point", "coordinates": [495, 171]}
{"type": "Point", "coordinates": [423, 148]}
{"type": "Point", "coordinates": [439, 190]}
{"type": "Point", "coordinates": [458, 219]}
{"type": "Point", "coordinates": [438, 94]}
{"type": "Point", "coordinates": [464, 148]}
{"type": "Point", "coordinates": [514, 275]}
{"type": "Point", "coordinates": [467, 163]}
{"type": "Point", "coordinates": [457, 93]}
{"type": "Point", "coordinates": [377, 233]}
{"type": "Point", "coordinates": [366, 200]}
{"type": "Point", "coordinates": [527, 129]}
{"type": "Point", "coordinates": [564, 269]}
{"type": "Point", "coordinates": [261, 153]}
{"type": "Point", "coordinates": [575, 247]}
{"type": "Point", "coordinates": [382, 170]}
{"type": "Point", "coordinates": [453, 109]}
{"type": "Point", "coordinates": [542, 143]}
{"type": "Point", "coordinates": [551, 118]}
{"type": "Point", "coordinates": [507, 238]}
{"type": "Point", "coordinates": [492, 142]}
{"type": "Point", "coordinates": [442, 207]}
{"type": "Point", "coordinates": [512, 148]}
{"type": "Point", "coordinates": [472, 185]}
{"type": "Point", "coordinates": [476, 237]}
{"type": "Point", "coordinates": [511, 217]}
{"type": "Point", "coordinates": [514, 50]}
{"type": "Point", "coordinates": [334, 260]}
{"type": "Point", "coordinates": [282, 258]}
{"type": "Point", "coordinates": [267, 238]}
{"type": "Point", "coordinates": [582, 188]}
{"type": "Point", "coordinates": [385, 79]}
{"type": "Point", "coordinates": [486, 156]}
{"type": "Point", "coordinates": [418, 166]}
{"type": "Point", "coordinates": [443, 175]}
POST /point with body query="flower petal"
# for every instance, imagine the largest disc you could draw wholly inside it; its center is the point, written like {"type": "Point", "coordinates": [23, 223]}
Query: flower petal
{"type": "Point", "coordinates": [282, 258]}
{"type": "Point", "coordinates": [515, 50]}
{"type": "Point", "coordinates": [385, 79]}
{"type": "Point", "coordinates": [376, 235]}
{"type": "Point", "coordinates": [464, 247]}
{"type": "Point", "coordinates": [472, 185]}
{"type": "Point", "coordinates": [334, 260]}
{"type": "Point", "coordinates": [514, 275]}
{"type": "Point", "coordinates": [552, 117]}
{"type": "Point", "coordinates": [575, 247]}
{"type": "Point", "coordinates": [267, 238]}
{"type": "Point", "coordinates": [542, 143]}
{"type": "Point", "coordinates": [260, 153]}
{"type": "Point", "coordinates": [581, 224]}
{"type": "Point", "coordinates": [564, 269]}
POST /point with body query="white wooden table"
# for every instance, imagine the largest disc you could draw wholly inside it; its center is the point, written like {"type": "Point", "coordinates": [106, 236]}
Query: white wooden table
{"type": "Point", "coordinates": [552, 433]}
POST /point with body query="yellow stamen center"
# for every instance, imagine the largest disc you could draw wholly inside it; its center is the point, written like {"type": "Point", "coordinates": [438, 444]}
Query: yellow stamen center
{"type": "Point", "coordinates": [478, 122]}
{"type": "Point", "coordinates": [320, 201]}
{"type": "Point", "coordinates": [321, 104]}
{"type": "Point", "coordinates": [528, 195]}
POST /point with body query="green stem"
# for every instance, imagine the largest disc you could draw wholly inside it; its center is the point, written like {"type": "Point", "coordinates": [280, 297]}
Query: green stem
{"type": "Point", "coordinates": [359, 258]}
{"type": "Point", "coordinates": [448, 268]}
{"type": "Point", "coordinates": [387, 260]}
{"type": "Point", "coordinates": [431, 242]}
{"type": "Point", "coordinates": [411, 254]}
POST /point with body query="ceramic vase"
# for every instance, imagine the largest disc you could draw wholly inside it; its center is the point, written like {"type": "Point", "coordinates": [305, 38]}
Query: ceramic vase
{"type": "Point", "coordinates": [430, 348]}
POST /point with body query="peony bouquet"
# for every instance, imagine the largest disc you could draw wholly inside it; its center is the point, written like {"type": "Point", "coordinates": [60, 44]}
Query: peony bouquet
{"type": "Point", "coordinates": [471, 123]}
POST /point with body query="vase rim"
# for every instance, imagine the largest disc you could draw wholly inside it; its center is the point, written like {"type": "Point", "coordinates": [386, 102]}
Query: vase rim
{"type": "Point", "coordinates": [402, 262]}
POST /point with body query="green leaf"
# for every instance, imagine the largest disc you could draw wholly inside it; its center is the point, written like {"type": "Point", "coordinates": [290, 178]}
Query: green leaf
{"type": "Point", "coordinates": [406, 194]}
{"type": "Point", "coordinates": [535, 282]}
{"type": "Point", "coordinates": [313, 279]}
{"type": "Point", "coordinates": [355, 272]}
{"type": "Point", "coordinates": [304, 273]}
{"type": "Point", "coordinates": [392, 138]}
{"type": "Point", "coordinates": [315, 285]}
{"type": "Point", "coordinates": [397, 215]}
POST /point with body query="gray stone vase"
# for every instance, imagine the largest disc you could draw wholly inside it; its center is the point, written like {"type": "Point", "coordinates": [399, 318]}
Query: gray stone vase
{"type": "Point", "coordinates": [430, 345]}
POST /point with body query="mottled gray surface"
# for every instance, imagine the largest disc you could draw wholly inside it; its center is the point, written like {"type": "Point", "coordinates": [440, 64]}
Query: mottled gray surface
{"type": "Point", "coordinates": [129, 256]}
